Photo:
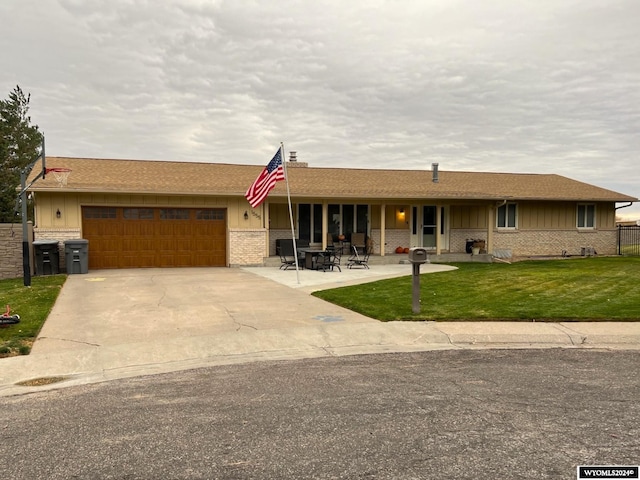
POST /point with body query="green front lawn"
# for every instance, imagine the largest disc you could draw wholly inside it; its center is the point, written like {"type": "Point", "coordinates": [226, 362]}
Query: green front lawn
{"type": "Point", "coordinates": [33, 304]}
{"type": "Point", "coordinates": [589, 289]}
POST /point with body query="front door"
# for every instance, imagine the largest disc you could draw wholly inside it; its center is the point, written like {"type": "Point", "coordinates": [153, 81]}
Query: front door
{"type": "Point", "coordinates": [424, 226]}
{"type": "Point", "coordinates": [429, 226]}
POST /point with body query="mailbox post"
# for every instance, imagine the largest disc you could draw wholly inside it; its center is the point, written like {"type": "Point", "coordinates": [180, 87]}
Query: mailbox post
{"type": "Point", "coordinates": [417, 256]}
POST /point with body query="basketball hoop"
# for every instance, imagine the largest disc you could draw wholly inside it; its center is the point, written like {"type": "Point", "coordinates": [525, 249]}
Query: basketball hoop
{"type": "Point", "coordinates": [61, 174]}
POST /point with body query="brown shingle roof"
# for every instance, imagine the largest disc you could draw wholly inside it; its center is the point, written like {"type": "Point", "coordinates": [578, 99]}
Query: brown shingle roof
{"type": "Point", "coordinates": [184, 178]}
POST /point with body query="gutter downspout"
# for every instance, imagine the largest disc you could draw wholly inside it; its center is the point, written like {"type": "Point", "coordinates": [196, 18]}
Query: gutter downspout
{"type": "Point", "coordinates": [492, 221]}
{"type": "Point", "coordinates": [624, 206]}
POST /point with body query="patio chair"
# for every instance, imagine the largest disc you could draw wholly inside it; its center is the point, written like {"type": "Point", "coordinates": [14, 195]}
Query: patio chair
{"type": "Point", "coordinates": [287, 256]}
{"type": "Point", "coordinates": [358, 241]}
{"type": "Point", "coordinates": [337, 259]}
{"type": "Point", "coordinates": [359, 260]}
{"type": "Point", "coordinates": [329, 260]}
{"type": "Point", "coordinates": [330, 244]}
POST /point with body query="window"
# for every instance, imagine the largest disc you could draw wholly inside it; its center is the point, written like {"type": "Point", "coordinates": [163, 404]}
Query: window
{"type": "Point", "coordinates": [310, 222]}
{"type": "Point", "coordinates": [341, 219]}
{"type": "Point", "coordinates": [347, 219]}
{"type": "Point", "coordinates": [99, 212]}
{"type": "Point", "coordinates": [174, 214]}
{"type": "Point", "coordinates": [507, 215]}
{"type": "Point", "coordinates": [137, 213]}
{"type": "Point", "coordinates": [334, 220]}
{"type": "Point", "coordinates": [586, 216]}
{"type": "Point", "coordinates": [317, 223]}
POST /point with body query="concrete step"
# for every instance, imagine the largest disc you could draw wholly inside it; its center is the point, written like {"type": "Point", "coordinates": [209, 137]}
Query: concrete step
{"type": "Point", "coordinates": [396, 258]}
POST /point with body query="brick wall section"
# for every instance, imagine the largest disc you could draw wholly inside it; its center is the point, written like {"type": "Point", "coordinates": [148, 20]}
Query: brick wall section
{"type": "Point", "coordinates": [59, 234]}
{"type": "Point", "coordinates": [11, 250]}
{"type": "Point", "coordinates": [277, 235]}
{"type": "Point", "coordinates": [246, 247]}
{"type": "Point", "coordinates": [524, 243]}
{"type": "Point", "coordinates": [395, 239]}
{"type": "Point", "coordinates": [375, 237]}
{"type": "Point", "coordinates": [458, 239]}
{"type": "Point", "coordinates": [554, 242]}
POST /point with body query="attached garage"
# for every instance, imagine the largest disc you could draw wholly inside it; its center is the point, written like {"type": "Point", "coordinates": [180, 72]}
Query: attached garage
{"type": "Point", "coordinates": [134, 237]}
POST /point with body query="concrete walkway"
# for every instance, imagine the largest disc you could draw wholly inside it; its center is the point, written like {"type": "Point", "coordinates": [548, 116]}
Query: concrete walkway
{"type": "Point", "coordinates": [120, 323]}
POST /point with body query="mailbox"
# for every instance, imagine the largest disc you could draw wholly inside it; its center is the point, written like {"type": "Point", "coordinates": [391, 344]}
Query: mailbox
{"type": "Point", "coordinates": [418, 255]}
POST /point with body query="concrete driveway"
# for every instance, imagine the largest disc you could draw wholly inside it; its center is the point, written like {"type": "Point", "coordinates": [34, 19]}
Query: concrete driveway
{"type": "Point", "coordinates": [114, 307]}
{"type": "Point", "coordinates": [120, 323]}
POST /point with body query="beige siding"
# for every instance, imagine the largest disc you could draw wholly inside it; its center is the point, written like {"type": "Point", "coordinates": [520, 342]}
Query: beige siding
{"type": "Point", "coordinates": [374, 219]}
{"type": "Point", "coordinates": [605, 216]}
{"type": "Point", "coordinates": [392, 218]}
{"type": "Point", "coordinates": [70, 205]}
{"type": "Point", "coordinates": [468, 216]}
{"type": "Point", "coordinates": [560, 216]}
{"type": "Point", "coordinates": [279, 216]}
{"type": "Point", "coordinates": [545, 215]}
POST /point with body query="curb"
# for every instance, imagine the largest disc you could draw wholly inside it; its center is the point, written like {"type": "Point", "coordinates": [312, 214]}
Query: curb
{"type": "Point", "coordinates": [98, 364]}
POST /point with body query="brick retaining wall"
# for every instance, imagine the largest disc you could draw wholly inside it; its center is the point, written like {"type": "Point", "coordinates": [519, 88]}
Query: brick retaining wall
{"type": "Point", "coordinates": [11, 250]}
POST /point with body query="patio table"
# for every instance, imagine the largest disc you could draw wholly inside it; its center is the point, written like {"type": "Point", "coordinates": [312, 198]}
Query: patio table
{"type": "Point", "coordinates": [309, 255]}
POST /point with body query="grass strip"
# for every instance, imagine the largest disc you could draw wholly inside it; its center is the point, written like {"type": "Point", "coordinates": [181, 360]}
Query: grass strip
{"type": "Point", "coordinates": [33, 304]}
{"type": "Point", "coordinates": [591, 289]}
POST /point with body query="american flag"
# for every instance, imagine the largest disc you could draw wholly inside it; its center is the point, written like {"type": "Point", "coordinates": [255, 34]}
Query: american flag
{"type": "Point", "coordinates": [260, 188]}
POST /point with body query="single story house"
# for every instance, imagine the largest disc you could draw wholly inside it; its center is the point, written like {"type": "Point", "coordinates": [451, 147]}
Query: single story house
{"type": "Point", "coordinates": [138, 213]}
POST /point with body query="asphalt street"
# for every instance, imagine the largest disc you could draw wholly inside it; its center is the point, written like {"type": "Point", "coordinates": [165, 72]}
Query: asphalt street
{"type": "Point", "coordinates": [453, 414]}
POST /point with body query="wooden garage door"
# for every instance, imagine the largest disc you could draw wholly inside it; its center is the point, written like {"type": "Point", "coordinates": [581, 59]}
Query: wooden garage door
{"type": "Point", "coordinates": [126, 237]}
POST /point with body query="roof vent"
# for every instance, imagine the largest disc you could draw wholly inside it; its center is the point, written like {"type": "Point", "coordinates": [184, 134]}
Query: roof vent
{"type": "Point", "coordinates": [292, 157]}
{"type": "Point", "coordinates": [434, 168]}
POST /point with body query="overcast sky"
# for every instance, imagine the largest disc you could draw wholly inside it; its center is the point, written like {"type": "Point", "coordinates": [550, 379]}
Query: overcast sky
{"type": "Point", "coordinates": [533, 86]}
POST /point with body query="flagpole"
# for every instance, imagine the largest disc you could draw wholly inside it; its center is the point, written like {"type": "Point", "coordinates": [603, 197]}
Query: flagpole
{"type": "Point", "coordinates": [293, 231]}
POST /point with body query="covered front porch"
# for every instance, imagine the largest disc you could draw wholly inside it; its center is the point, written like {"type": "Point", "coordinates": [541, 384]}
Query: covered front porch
{"type": "Point", "coordinates": [390, 228]}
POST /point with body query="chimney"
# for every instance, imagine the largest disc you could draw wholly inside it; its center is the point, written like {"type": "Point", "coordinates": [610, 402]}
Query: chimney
{"type": "Point", "coordinates": [434, 168]}
{"type": "Point", "coordinates": [293, 161]}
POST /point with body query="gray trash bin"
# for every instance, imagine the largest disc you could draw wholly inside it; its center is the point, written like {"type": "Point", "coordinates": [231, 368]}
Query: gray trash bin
{"type": "Point", "coordinates": [76, 253]}
{"type": "Point", "coordinates": [47, 257]}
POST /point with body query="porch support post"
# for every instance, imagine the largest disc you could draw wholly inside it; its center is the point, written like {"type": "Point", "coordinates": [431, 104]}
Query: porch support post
{"type": "Point", "coordinates": [266, 209]}
{"type": "Point", "coordinates": [438, 229]}
{"type": "Point", "coordinates": [383, 227]}
{"type": "Point", "coordinates": [325, 224]}
{"type": "Point", "coordinates": [491, 221]}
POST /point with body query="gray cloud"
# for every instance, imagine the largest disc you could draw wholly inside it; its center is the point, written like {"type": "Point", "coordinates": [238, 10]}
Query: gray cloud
{"type": "Point", "coordinates": [535, 86]}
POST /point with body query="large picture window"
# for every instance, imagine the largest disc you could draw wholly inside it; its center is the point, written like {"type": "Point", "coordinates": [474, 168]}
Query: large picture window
{"type": "Point", "coordinates": [507, 216]}
{"type": "Point", "coordinates": [342, 219]}
{"type": "Point", "coordinates": [586, 216]}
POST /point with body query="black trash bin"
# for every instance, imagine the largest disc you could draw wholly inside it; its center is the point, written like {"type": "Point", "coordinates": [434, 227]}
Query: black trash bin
{"type": "Point", "coordinates": [469, 245]}
{"type": "Point", "coordinates": [76, 254]}
{"type": "Point", "coordinates": [47, 257]}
